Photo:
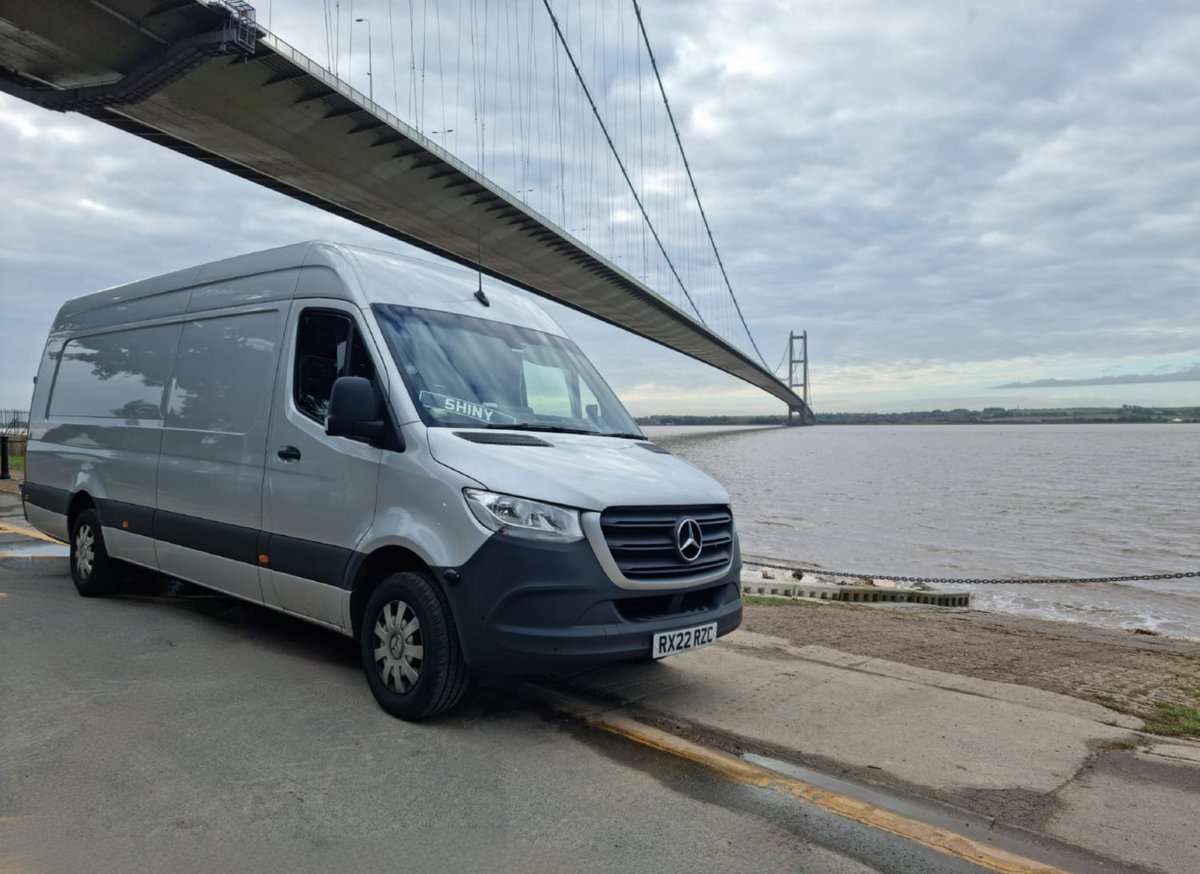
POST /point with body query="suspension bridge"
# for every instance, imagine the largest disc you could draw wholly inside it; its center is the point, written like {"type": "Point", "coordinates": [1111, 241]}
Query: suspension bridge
{"type": "Point", "coordinates": [537, 137]}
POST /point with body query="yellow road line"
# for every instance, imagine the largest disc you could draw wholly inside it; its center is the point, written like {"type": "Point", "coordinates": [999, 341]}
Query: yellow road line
{"type": "Point", "coordinates": [5, 528]}
{"type": "Point", "coordinates": [741, 771]}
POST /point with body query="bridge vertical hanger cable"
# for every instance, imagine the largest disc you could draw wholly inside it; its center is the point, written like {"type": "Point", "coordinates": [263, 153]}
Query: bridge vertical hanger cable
{"type": "Point", "coordinates": [535, 104]}
{"type": "Point", "coordinates": [528, 103]}
{"type": "Point", "coordinates": [617, 113]}
{"type": "Point", "coordinates": [441, 72]}
{"type": "Point", "coordinates": [412, 66]}
{"type": "Point", "coordinates": [782, 357]}
{"type": "Point", "coordinates": [612, 146]}
{"type": "Point", "coordinates": [392, 46]}
{"type": "Point", "coordinates": [704, 217]}
{"type": "Point", "coordinates": [475, 83]}
{"type": "Point", "coordinates": [481, 82]}
{"type": "Point", "coordinates": [491, 31]}
{"type": "Point", "coordinates": [514, 99]}
{"type": "Point", "coordinates": [641, 153]}
{"type": "Point", "coordinates": [581, 130]}
{"type": "Point", "coordinates": [421, 124]}
{"type": "Point", "coordinates": [588, 161]}
{"type": "Point", "coordinates": [565, 125]}
{"type": "Point", "coordinates": [458, 42]}
{"type": "Point", "coordinates": [558, 138]}
{"type": "Point", "coordinates": [606, 91]}
{"type": "Point", "coordinates": [328, 38]}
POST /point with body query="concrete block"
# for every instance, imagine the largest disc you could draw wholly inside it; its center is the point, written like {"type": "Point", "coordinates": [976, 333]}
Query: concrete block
{"type": "Point", "coordinates": [857, 594]}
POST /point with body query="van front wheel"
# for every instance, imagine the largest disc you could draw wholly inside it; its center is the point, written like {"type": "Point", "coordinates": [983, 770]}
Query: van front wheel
{"type": "Point", "coordinates": [91, 568]}
{"type": "Point", "coordinates": [410, 649]}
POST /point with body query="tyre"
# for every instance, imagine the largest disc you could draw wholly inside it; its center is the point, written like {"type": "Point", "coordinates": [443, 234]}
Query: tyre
{"type": "Point", "coordinates": [91, 568]}
{"type": "Point", "coordinates": [410, 649]}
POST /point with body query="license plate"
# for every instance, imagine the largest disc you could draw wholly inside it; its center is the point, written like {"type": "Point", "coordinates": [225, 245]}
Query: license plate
{"type": "Point", "coordinates": [670, 642]}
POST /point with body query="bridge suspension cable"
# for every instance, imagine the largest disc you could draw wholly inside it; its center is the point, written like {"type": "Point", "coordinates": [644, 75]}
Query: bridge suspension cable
{"type": "Point", "coordinates": [637, 9]}
{"type": "Point", "coordinates": [782, 358]}
{"type": "Point", "coordinates": [621, 164]}
{"type": "Point", "coordinates": [597, 148]}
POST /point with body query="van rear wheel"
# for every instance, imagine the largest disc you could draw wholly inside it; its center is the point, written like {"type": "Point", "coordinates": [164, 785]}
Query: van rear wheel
{"type": "Point", "coordinates": [410, 649]}
{"type": "Point", "coordinates": [91, 568]}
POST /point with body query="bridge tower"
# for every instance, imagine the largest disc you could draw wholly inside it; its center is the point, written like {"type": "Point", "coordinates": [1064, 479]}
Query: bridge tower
{"type": "Point", "coordinates": [798, 378]}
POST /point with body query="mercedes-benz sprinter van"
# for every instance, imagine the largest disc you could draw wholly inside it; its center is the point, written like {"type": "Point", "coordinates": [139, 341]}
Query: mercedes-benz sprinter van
{"type": "Point", "coordinates": [376, 445]}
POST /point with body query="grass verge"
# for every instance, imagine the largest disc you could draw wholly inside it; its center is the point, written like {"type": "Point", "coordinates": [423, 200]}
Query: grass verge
{"type": "Point", "coordinates": [1166, 718]}
{"type": "Point", "coordinates": [1174, 720]}
{"type": "Point", "coordinates": [765, 601]}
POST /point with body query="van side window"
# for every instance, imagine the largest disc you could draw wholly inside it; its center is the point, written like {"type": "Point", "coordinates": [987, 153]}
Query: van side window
{"type": "Point", "coordinates": [223, 372]}
{"type": "Point", "coordinates": [119, 375]}
{"type": "Point", "coordinates": [327, 346]}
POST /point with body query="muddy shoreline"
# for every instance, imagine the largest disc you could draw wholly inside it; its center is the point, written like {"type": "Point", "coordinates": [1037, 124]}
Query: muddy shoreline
{"type": "Point", "coordinates": [1130, 672]}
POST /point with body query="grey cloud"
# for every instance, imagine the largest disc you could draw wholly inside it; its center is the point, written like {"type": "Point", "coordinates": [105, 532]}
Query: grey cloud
{"type": "Point", "coordinates": [938, 184]}
{"type": "Point", "coordinates": [907, 189]}
{"type": "Point", "coordinates": [1186, 374]}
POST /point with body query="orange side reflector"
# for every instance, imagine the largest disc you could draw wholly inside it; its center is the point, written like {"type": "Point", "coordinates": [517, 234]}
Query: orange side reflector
{"type": "Point", "coordinates": [124, 523]}
{"type": "Point", "coordinates": [263, 559]}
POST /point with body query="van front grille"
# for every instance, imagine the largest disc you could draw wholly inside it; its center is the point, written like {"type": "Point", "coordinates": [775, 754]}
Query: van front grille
{"type": "Point", "coordinates": [642, 541]}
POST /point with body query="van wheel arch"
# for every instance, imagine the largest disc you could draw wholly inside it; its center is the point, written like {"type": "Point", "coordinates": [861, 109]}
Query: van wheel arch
{"type": "Point", "coordinates": [80, 501]}
{"type": "Point", "coordinates": [376, 568]}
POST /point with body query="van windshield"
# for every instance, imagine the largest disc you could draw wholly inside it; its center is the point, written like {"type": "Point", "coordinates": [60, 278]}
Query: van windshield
{"type": "Point", "coordinates": [469, 372]}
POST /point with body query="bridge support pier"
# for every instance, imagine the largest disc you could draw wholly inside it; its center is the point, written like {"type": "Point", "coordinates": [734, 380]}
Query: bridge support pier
{"type": "Point", "coordinates": [800, 416]}
{"type": "Point", "coordinates": [798, 378]}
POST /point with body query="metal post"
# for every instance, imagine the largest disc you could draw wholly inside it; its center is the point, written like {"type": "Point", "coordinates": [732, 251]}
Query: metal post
{"type": "Point", "coordinates": [4, 457]}
{"type": "Point", "coordinates": [350, 51]}
{"type": "Point", "coordinates": [370, 60]}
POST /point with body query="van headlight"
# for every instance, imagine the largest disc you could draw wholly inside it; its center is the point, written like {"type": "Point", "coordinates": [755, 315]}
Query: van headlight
{"type": "Point", "coordinates": [522, 517]}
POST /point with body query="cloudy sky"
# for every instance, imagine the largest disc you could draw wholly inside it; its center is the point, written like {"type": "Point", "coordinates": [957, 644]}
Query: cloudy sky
{"type": "Point", "coordinates": [964, 204]}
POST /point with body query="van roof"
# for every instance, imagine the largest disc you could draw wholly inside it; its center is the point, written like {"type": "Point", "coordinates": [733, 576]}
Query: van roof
{"type": "Point", "coordinates": [367, 276]}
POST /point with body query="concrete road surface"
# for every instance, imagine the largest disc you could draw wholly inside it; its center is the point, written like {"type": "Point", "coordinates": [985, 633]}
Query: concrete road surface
{"type": "Point", "coordinates": [152, 733]}
{"type": "Point", "coordinates": [171, 729]}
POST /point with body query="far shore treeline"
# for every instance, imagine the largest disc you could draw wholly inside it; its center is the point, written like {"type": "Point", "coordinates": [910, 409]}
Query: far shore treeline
{"type": "Point", "coordinates": [986, 416]}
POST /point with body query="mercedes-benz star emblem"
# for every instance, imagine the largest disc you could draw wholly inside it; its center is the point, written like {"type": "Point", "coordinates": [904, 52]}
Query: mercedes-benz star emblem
{"type": "Point", "coordinates": [688, 540]}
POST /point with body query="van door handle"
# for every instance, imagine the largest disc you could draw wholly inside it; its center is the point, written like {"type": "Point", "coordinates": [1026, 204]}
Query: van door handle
{"type": "Point", "coordinates": [289, 453]}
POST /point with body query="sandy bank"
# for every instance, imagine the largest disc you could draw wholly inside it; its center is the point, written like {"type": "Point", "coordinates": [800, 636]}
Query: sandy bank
{"type": "Point", "coordinates": [1120, 669]}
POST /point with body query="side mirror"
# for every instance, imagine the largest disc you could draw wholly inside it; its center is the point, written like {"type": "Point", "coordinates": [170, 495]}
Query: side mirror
{"type": "Point", "coordinates": [354, 410]}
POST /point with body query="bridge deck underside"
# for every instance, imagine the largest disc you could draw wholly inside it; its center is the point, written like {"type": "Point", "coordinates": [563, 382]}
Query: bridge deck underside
{"type": "Point", "coordinates": [280, 120]}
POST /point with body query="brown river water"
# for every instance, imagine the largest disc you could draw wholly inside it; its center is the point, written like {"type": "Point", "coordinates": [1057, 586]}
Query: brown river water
{"type": "Point", "coordinates": [995, 501]}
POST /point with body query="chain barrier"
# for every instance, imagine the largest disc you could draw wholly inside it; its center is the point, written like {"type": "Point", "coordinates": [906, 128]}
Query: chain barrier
{"type": "Point", "coordinates": [982, 581]}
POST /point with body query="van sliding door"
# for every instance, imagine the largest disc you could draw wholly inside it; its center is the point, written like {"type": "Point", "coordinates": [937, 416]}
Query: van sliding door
{"type": "Point", "coordinates": [215, 436]}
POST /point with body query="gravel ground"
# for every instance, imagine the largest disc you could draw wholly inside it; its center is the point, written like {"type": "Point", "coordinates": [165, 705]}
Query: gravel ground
{"type": "Point", "coordinates": [1129, 672]}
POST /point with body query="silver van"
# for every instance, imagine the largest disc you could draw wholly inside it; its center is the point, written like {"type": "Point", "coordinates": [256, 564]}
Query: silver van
{"type": "Point", "coordinates": [379, 446]}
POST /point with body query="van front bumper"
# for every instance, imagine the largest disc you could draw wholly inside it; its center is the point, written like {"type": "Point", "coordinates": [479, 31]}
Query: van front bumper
{"type": "Point", "coordinates": [523, 607]}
